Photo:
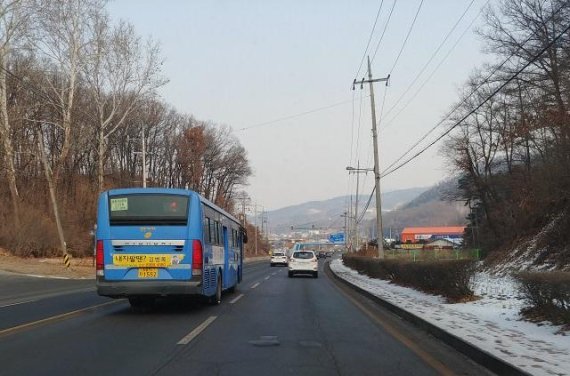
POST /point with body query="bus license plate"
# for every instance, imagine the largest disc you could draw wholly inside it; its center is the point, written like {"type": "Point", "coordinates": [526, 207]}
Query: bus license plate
{"type": "Point", "coordinates": [148, 273]}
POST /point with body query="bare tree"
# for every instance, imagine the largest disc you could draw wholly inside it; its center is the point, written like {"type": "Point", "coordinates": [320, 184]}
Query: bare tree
{"type": "Point", "coordinates": [62, 37]}
{"type": "Point", "coordinates": [13, 21]}
{"type": "Point", "coordinates": [121, 73]}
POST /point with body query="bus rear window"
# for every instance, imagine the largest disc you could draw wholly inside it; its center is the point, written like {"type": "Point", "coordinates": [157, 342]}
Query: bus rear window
{"type": "Point", "coordinates": [148, 209]}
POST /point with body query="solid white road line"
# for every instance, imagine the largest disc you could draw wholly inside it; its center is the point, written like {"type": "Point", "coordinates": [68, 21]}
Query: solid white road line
{"type": "Point", "coordinates": [55, 318]}
{"type": "Point", "coordinates": [18, 303]}
{"type": "Point", "coordinates": [255, 285]}
{"type": "Point", "coordinates": [236, 298]}
{"type": "Point", "coordinates": [199, 329]}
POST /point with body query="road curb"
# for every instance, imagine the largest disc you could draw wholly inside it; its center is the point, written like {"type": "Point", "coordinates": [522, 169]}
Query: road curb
{"type": "Point", "coordinates": [478, 355]}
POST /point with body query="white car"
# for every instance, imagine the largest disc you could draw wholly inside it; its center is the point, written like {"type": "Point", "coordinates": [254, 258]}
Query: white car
{"type": "Point", "coordinates": [278, 258]}
{"type": "Point", "coordinates": [303, 262]}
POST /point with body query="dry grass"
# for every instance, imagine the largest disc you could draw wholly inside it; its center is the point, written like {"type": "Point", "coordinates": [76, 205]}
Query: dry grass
{"type": "Point", "coordinates": [49, 267]}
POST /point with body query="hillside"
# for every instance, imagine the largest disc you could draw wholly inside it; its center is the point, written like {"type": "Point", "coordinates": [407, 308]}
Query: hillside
{"type": "Point", "coordinates": [433, 207]}
{"type": "Point", "coordinates": [327, 213]}
{"type": "Point", "coordinates": [401, 208]}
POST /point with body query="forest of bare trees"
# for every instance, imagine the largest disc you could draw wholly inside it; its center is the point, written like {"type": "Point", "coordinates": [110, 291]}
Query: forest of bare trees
{"type": "Point", "coordinates": [513, 153]}
{"type": "Point", "coordinates": [78, 92]}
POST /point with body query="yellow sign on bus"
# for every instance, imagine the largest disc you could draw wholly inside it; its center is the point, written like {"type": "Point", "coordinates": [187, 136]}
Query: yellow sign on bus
{"type": "Point", "coordinates": [143, 261]}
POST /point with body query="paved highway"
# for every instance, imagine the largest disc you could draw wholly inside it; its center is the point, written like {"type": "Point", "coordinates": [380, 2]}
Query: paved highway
{"type": "Point", "coordinates": [272, 325]}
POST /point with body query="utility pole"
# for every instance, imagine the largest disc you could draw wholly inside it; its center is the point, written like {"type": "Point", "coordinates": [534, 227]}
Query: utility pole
{"type": "Point", "coordinates": [255, 224]}
{"type": "Point", "coordinates": [143, 158]}
{"type": "Point", "coordinates": [370, 81]}
{"type": "Point", "coordinates": [356, 209]}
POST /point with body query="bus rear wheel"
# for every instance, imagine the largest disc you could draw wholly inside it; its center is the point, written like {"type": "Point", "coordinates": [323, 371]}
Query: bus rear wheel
{"type": "Point", "coordinates": [217, 297]}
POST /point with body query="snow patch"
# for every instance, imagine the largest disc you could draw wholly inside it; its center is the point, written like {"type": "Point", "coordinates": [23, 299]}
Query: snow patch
{"type": "Point", "coordinates": [492, 323]}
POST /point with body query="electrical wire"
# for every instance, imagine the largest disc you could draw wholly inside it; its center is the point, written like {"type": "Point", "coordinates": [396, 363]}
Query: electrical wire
{"type": "Point", "coordinates": [433, 55]}
{"type": "Point", "coordinates": [424, 83]}
{"type": "Point", "coordinates": [515, 75]}
{"type": "Point", "coordinates": [407, 36]}
{"type": "Point", "coordinates": [369, 39]}
{"type": "Point", "coordinates": [483, 82]}
{"type": "Point", "coordinates": [293, 116]}
{"type": "Point", "coordinates": [383, 31]}
{"type": "Point", "coordinates": [366, 206]}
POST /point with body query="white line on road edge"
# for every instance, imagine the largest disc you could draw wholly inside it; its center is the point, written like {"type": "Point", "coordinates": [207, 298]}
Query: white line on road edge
{"type": "Point", "coordinates": [18, 303]}
{"type": "Point", "coordinates": [199, 329]}
{"type": "Point", "coordinates": [236, 298]}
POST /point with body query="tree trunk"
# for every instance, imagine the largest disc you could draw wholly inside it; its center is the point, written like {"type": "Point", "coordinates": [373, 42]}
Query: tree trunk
{"type": "Point", "coordinates": [52, 194]}
{"type": "Point", "coordinates": [5, 135]}
{"type": "Point", "coordinates": [101, 160]}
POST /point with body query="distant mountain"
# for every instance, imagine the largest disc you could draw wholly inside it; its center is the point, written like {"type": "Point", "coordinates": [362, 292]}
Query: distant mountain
{"type": "Point", "coordinates": [442, 191]}
{"type": "Point", "coordinates": [327, 213]}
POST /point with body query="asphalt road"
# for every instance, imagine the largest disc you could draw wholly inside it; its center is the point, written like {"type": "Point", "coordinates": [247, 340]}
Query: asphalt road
{"type": "Point", "coordinates": [271, 325]}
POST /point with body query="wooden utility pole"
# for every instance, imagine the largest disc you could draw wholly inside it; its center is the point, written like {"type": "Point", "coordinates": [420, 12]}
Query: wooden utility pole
{"type": "Point", "coordinates": [370, 81]}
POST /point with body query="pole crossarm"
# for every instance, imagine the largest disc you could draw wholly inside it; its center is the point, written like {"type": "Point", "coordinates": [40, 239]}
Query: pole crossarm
{"type": "Point", "coordinates": [370, 81]}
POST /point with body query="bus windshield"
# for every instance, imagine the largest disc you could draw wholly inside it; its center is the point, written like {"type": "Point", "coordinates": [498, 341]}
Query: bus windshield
{"type": "Point", "coordinates": [149, 209]}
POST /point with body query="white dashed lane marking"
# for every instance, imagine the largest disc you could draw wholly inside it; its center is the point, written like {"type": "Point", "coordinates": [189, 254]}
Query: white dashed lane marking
{"type": "Point", "coordinates": [196, 332]}
{"type": "Point", "coordinates": [255, 285]}
{"type": "Point", "coordinates": [236, 298]}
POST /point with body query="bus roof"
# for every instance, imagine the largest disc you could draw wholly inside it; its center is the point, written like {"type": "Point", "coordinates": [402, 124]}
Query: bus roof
{"type": "Point", "coordinates": [185, 192]}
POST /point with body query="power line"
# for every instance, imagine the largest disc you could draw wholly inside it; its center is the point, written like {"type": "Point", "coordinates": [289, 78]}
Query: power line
{"type": "Point", "coordinates": [407, 36]}
{"type": "Point", "coordinates": [424, 83]}
{"type": "Point", "coordinates": [535, 57]}
{"type": "Point", "coordinates": [369, 39]}
{"type": "Point", "coordinates": [483, 82]}
{"type": "Point", "coordinates": [383, 31]}
{"type": "Point", "coordinates": [433, 55]}
{"type": "Point", "coordinates": [358, 129]}
{"type": "Point", "coordinates": [366, 206]}
{"type": "Point", "coordinates": [295, 115]}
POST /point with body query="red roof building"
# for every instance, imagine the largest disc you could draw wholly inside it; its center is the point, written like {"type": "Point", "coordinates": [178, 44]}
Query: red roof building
{"type": "Point", "coordinates": [424, 234]}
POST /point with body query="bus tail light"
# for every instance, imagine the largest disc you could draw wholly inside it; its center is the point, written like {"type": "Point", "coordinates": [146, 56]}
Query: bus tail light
{"type": "Point", "coordinates": [197, 257]}
{"type": "Point", "coordinates": [99, 257]}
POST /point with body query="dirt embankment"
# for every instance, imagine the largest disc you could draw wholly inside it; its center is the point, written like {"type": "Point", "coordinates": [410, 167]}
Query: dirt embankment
{"type": "Point", "coordinates": [54, 267]}
{"type": "Point", "coordinates": [49, 267]}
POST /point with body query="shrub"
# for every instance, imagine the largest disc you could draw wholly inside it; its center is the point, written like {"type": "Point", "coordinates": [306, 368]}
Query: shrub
{"type": "Point", "coordinates": [36, 236]}
{"type": "Point", "coordinates": [449, 278]}
{"type": "Point", "coordinates": [547, 295]}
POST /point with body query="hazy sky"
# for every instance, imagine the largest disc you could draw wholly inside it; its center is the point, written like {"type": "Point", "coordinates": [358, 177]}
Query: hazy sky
{"type": "Point", "coordinates": [243, 63]}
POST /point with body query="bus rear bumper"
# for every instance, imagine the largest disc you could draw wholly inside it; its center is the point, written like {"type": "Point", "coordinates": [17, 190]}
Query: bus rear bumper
{"type": "Point", "coordinates": [121, 289]}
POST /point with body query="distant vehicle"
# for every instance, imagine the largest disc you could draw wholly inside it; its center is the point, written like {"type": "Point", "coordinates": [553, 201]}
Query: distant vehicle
{"type": "Point", "coordinates": [329, 254]}
{"type": "Point", "coordinates": [278, 258]}
{"type": "Point", "coordinates": [303, 262]}
{"type": "Point", "coordinates": [155, 242]}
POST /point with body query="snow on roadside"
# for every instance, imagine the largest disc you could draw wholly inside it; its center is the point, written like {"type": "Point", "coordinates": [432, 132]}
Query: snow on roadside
{"type": "Point", "coordinates": [492, 323]}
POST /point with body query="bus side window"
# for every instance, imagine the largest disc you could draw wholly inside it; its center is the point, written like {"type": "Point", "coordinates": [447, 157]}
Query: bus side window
{"type": "Point", "coordinates": [220, 236]}
{"type": "Point", "coordinates": [217, 232]}
{"type": "Point", "coordinates": [211, 231]}
{"type": "Point", "coordinates": [207, 237]}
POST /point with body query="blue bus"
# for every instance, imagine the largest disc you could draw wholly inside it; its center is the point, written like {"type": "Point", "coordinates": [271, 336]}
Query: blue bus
{"type": "Point", "coordinates": [153, 242]}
